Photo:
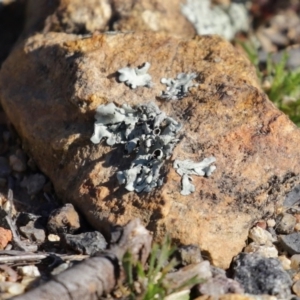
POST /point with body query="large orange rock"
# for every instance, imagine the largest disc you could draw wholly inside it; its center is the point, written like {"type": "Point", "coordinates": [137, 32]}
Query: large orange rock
{"type": "Point", "coordinates": [51, 85]}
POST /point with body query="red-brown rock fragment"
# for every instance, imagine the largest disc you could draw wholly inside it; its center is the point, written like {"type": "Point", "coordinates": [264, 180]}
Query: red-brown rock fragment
{"type": "Point", "coordinates": [60, 79]}
{"type": "Point", "coordinates": [5, 237]}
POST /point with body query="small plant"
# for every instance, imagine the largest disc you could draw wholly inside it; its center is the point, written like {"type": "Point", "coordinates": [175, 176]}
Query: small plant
{"type": "Point", "coordinates": [148, 283]}
{"type": "Point", "coordinates": [280, 84]}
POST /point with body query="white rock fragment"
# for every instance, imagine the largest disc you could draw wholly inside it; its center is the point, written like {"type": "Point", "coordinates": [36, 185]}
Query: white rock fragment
{"type": "Point", "coordinates": [30, 271]}
{"type": "Point", "coordinates": [285, 262]}
{"type": "Point", "coordinates": [178, 88]}
{"type": "Point", "coordinates": [135, 77]}
{"type": "Point", "coordinates": [261, 236]}
{"type": "Point", "coordinates": [16, 289]}
{"type": "Point", "coordinates": [264, 250]}
{"type": "Point", "coordinates": [187, 167]}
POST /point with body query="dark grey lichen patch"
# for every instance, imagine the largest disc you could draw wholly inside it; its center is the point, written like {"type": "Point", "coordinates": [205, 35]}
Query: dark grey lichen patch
{"type": "Point", "coordinates": [135, 77]}
{"type": "Point", "coordinates": [187, 167]}
{"type": "Point", "coordinates": [145, 130]}
{"type": "Point", "coordinates": [178, 88]}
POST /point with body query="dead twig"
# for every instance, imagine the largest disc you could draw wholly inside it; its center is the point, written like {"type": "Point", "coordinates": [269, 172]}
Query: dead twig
{"type": "Point", "coordinates": [97, 275]}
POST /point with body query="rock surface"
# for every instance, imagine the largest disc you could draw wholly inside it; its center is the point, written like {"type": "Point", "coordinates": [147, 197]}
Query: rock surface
{"type": "Point", "coordinates": [259, 275]}
{"type": "Point", "coordinates": [59, 81]}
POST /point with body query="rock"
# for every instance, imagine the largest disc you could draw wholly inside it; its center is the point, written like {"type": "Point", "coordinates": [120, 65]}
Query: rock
{"type": "Point", "coordinates": [296, 287]}
{"type": "Point", "coordinates": [220, 285]}
{"type": "Point", "coordinates": [165, 16]}
{"type": "Point", "coordinates": [5, 237]}
{"type": "Point", "coordinates": [85, 243]}
{"type": "Point", "coordinates": [17, 164]}
{"type": "Point", "coordinates": [286, 263]}
{"type": "Point", "coordinates": [33, 231]}
{"type": "Point", "coordinates": [226, 116]}
{"type": "Point", "coordinates": [34, 183]}
{"type": "Point", "coordinates": [16, 289]}
{"type": "Point", "coordinates": [4, 167]}
{"type": "Point", "coordinates": [74, 16]}
{"type": "Point", "coordinates": [271, 223]}
{"type": "Point", "coordinates": [53, 238]}
{"type": "Point", "coordinates": [189, 254]}
{"type": "Point", "coordinates": [260, 275]}
{"type": "Point", "coordinates": [297, 227]}
{"type": "Point", "coordinates": [262, 224]}
{"type": "Point", "coordinates": [291, 242]}
{"type": "Point", "coordinates": [260, 236]}
{"type": "Point", "coordinates": [30, 271]}
{"type": "Point", "coordinates": [264, 250]}
{"type": "Point", "coordinates": [285, 223]}
{"type": "Point", "coordinates": [295, 261]}
{"type": "Point", "coordinates": [64, 220]}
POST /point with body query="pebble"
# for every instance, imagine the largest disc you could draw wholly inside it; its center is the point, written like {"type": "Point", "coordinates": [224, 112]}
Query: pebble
{"type": "Point", "coordinates": [16, 163]}
{"type": "Point", "coordinates": [259, 275]}
{"type": "Point", "coordinates": [285, 262]}
{"type": "Point", "coordinates": [188, 254]}
{"type": "Point", "coordinates": [260, 236]}
{"type": "Point", "coordinates": [291, 242]}
{"type": "Point", "coordinates": [85, 243]}
{"type": "Point", "coordinates": [5, 237]}
{"type": "Point", "coordinates": [295, 262]}
{"type": "Point", "coordinates": [264, 250]}
{"type": "Point", "coordinates": [33, 231]}
{"type": "Point", "coordinates": [33, 183]}
{"type": "Point", "coordinates": [262, 224]}
{"type": "Point", "coordinates": [285, 224]}
{"type": "Point", "coordinates": [220, 285]}
{"type": "Point", "coordinates": [297, 227]}
{"type": "Point", "coordinates": [271, 223]}
{"type": "Point", "coordinates": [64, 220]}
{"type": "Point", "coordinates": [62, 267]}
{"type": "Point", "coordinates": [30, 271]}
{"type": "Point", "coordinates": [296, 287]}
{"type": "Point", "coordinates": [53, 237]}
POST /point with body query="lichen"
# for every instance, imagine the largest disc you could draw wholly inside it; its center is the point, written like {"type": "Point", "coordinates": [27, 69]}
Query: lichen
{"type": "Point", "coordinates": [135, 77]}
{"type": "Point", "coordinates": [145, 130]}
{"type": "Point", "coordinates": [187, 167]}
{"type": "Point", "coordinates": [178, 88]}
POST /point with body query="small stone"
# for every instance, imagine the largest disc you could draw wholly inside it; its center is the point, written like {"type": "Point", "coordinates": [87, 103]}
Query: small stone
{"type": "Point", "coordinates": [53, 238]}
{"type": "Point", "coordinates": [16, 163]}
{"type": "Point", "coordinates": [188, 254]}
{"type": "Point", "coordinates": [5, 237]}
{"type": "Point", "coordinates": [33, 183]}
{"type": "Point", "coordinates": [262, 224]}
{"type": "Point", "coordinates": [291, 242]}
{"type": "Point", "coordinates": [5, 169]}
{"type": "Point", "coordinates": [85, 243]}
{"type": "Point", "coordinates": [64, 220]}
{"type": "Point", "coordinates": [182, 295]}
{"type": "Point", "coordinates": [297, 227]}
{"type": "Point", "coordinates": [260, 275]}
{"type": "Point", "coordinates": [296, 287]}
{"type": "Point", "coordinates": [285, 223]}
{"type": "Point", "coordinates": [295, 261]}
{"type": "Point", "coordinates": [260, 236]}
{"type": "Point", "coordinates": [220, 285]}
{"type": "Point", "coordinates": [16, 289]}
{"type": "Point", "coordinates": [271, 223]}
{"type": "Point", "coordinates": [33, 231]}
{"type": "Point", "coordinates": [62, 267]}
{"type": "Point", "coordinates": [30, 271]}
{"type": "Point", "coordinates": [264, 250]}
{"type": "Point", "coordinates": [285, 262]}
